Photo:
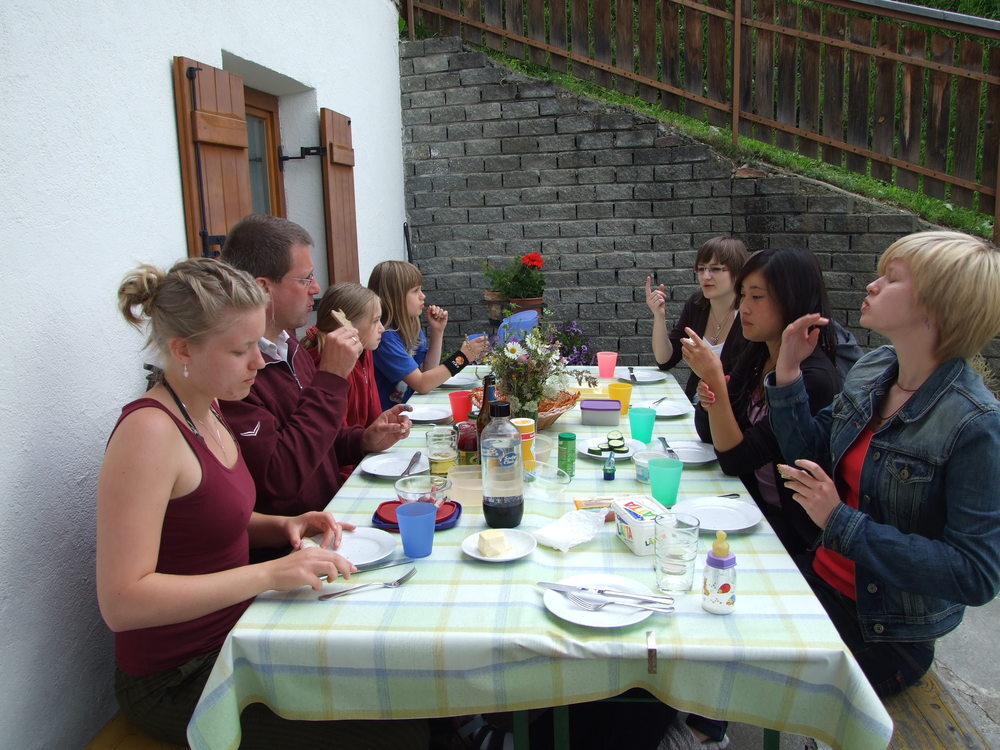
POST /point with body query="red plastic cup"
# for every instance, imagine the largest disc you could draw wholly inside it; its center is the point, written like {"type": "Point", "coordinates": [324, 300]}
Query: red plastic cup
{"type": "Point", "coordinates": [461, 404]}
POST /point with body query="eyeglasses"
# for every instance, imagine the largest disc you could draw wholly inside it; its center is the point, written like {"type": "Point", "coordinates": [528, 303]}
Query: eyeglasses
{"type": "Point", "coordinates": [307, 280]}
{"type": "Point", "coordinates": [714, 270]}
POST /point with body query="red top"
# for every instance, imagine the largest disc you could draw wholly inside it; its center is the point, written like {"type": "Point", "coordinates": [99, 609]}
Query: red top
{"type": "Point", "coordinates": [363, 402]}
{"type": "Point", "coordinates": [204, 531]}
{"type": "Point", "coordinates": [832, 566]}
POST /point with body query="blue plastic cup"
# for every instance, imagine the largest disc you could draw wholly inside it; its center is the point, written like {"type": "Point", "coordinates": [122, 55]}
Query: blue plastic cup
{"type": "Point", "coordinates": [416, 528]}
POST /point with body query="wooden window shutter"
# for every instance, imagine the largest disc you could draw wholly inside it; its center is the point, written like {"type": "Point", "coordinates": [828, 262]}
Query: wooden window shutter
{"type": "Point", "coordinates": [338, 196]}
{"type": "Point", "coordinates": [212, 137]}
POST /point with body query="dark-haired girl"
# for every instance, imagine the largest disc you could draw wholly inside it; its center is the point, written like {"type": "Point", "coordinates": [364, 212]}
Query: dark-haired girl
{"type": "Point", "coordinates": [774, 288]}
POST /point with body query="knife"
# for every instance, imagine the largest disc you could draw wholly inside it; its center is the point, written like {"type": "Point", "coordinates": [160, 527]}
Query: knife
{"type": "Point", "coordinates": [409, 466]}
{"type": "Point", "coordinates": [365, 567]}
{"type": "Point", "coordinates": [607, 592]}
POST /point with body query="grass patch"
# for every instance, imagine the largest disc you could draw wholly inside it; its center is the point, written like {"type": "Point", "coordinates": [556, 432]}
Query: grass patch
{"type": "Point", "coordinates": [758, 153]}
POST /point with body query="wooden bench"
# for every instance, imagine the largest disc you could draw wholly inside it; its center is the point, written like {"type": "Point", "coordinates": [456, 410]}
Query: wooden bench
{"type": "Point", "coordinates": [927, 716]}
{"type": "Point", "coordinates": [121, 734]}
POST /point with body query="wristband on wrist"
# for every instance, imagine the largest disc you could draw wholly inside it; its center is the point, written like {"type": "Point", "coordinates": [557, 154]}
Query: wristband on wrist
{"type": "Point", "coordinates": [456, 362]}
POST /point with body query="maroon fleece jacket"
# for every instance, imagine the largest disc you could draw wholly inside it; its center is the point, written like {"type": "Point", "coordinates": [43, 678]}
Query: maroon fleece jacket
{"type": "Point", "coordinates": [290, 428]}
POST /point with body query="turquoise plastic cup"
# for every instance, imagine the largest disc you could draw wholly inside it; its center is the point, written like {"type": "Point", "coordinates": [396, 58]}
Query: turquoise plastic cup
{"type": "Point", "coordinates": [416, 527]}
{"type": "Point", "coordinates": [665, 480]}
{"type": "Point", "coordinates": [641, 420]}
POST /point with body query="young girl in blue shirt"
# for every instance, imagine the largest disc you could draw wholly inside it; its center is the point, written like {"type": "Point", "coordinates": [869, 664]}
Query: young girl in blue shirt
{"type": "Point", "coordinates": [407, 359]}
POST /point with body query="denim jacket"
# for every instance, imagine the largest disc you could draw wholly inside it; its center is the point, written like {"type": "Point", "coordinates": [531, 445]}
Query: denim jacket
{"type": "Point", "coordinates": [926, 535]}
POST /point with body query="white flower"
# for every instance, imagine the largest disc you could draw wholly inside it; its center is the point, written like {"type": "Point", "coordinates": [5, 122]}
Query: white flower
{"type": "Point", "coordinates": [513, 349]}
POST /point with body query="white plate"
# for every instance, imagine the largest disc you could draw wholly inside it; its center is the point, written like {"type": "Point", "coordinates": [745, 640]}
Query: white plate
{"type": "Point", "coordinates": [673, 408]}
{"type": "Point", "coordinates": [460, 380]}
{"type": "Point", "coordinates": [633, 447]}
{"type": "Point", "coordinates": [642, 377]}
{"type": "Point", "coordinates": [721, 513]}
{"type": "Point", "coordinates": [364, 545]}
{"type": "Point", "coordinates": [690, 452]}
{"type": "Point", "coordinates": [428, 413]}
{"type": "Point", "coordinates": [521, 544]}
{"type": "Point", "coordinates": [612, 616]}
{"type": "Point", "coordinates": [392, 463]}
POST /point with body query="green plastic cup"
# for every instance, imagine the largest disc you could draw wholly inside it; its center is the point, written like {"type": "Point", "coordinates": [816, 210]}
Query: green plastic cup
{"type": "Point", "coordinates": [641, 420]}
{"type": "Point", "coordinates": [665, 480]}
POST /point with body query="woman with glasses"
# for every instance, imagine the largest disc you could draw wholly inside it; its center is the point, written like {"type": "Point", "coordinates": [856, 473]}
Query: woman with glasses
{"type": "Point", "coordinates": [901, 471]}
{"type": "Point", "coordinates": [711, 311]}
{"type": "Point", "coordinates": [774, 288]}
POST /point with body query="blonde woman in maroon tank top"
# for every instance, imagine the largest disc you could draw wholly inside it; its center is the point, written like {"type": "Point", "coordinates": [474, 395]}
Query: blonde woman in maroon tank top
{"type": "Point", "coordinates": [175, 519]}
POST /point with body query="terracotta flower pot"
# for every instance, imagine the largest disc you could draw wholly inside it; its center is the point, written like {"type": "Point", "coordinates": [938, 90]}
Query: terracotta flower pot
{"type": "Point", "coordinates": [528, 303]}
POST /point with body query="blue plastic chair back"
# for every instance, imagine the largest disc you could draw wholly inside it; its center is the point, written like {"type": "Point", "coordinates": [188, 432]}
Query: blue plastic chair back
{"type": "Point", "coordinates": [517, 325]}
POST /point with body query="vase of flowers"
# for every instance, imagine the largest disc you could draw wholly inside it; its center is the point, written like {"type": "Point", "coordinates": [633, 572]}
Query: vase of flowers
{"type": "Point", "coordinates": [532, 375]}
{"type": "Point", "coordinates": [516, 286]}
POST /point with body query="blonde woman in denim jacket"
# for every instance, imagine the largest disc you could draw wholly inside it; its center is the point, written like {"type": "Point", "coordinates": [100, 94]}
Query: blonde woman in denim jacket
{"type": "Point", "coordinates": [901, 471]}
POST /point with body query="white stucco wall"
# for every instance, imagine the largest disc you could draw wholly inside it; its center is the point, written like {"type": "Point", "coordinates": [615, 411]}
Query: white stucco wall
{"type": "Point", "coordinates": [90, 185]}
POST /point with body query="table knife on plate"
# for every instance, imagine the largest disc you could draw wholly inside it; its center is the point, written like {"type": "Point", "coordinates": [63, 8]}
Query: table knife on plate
{"type": "Point", "coordinates": [608, 592]}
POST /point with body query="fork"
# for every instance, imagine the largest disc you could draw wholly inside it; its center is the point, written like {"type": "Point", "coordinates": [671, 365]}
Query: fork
{"type": "Point", "coordinates": [592, 606]}
{"type": "Point", "coordinates": [631, 374]}
{"type": "Point", "coordinates": [666, 448]}
{"type": "Point", "coordinates": [658, 401]}
{"type": "Point", "coordinates": [390, 585]}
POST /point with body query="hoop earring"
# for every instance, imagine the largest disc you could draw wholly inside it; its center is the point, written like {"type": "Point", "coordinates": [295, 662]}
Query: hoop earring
{"type": "Point", "coordinates": [184, 372]}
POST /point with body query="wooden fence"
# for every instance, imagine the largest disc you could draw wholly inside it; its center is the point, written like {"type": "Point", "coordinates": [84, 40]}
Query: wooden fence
{"type": "Point", "coordinates": [876, 91]}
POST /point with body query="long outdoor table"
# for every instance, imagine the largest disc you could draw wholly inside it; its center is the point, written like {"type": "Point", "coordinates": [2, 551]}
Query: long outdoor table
{"type": "Point", "coordinates": [465, 636]}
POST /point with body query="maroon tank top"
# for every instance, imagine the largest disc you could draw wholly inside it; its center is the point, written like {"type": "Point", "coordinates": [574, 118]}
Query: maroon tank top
{"type": "Point", "coordinates": [204, 531]}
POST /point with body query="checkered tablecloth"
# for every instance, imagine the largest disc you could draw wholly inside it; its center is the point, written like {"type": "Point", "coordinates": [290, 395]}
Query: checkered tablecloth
{"type": "Point", "coordinates": [465, 636]}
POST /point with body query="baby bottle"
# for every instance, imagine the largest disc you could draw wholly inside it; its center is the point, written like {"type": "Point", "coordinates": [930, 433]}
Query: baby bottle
{"type": "Point", "coordinates": [719, 585]}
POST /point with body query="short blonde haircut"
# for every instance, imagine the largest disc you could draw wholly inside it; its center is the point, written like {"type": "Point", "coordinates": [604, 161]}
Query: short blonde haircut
{"type": "Point", "coordinates": [956, 279]}
{"type": "Point", "coordinates": [391, 280]}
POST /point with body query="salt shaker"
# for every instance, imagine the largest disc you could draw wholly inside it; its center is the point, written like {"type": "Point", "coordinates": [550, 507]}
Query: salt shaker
{"type": "Point", "coordinates": [719, 584]}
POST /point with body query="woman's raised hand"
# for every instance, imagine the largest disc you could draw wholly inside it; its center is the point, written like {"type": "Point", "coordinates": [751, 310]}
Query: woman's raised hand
{"type": "Point", "coordinates": [811, 488]}
{"type": "Point", "coordinates": [702, 360]}
{"type": "Point", "coordinates": [798, 341]}
{"type": "Point", "coordinates": [656, 299]}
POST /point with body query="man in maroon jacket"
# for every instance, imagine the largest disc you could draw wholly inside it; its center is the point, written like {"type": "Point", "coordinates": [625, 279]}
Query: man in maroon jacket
{"type": "Point", "coordinates": [290, 426]}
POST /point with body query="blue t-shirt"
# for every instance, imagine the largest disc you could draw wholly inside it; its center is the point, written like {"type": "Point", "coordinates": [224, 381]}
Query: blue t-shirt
{"type": "Point", "coordinates": [393, 363]}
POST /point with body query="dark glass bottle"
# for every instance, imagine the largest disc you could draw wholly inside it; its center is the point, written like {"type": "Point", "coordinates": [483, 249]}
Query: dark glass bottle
{"type": "Point", "coordinates": [489, 396]}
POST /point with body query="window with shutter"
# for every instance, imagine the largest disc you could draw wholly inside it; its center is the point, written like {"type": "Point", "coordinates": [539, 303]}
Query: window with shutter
{"type": "Point", "coordinates": [229, 137]}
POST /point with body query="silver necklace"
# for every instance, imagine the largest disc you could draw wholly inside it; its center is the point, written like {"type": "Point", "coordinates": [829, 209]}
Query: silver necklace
{"type": "Point", "coordinates": [714, 337]}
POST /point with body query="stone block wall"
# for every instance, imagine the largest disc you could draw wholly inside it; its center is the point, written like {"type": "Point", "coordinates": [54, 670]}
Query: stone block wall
{"type": "Point", "coordinates": [499, 164]}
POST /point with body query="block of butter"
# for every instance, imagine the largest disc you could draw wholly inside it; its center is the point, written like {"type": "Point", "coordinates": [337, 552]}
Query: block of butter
{"type": "Point", "coordinates": [493, 543]}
